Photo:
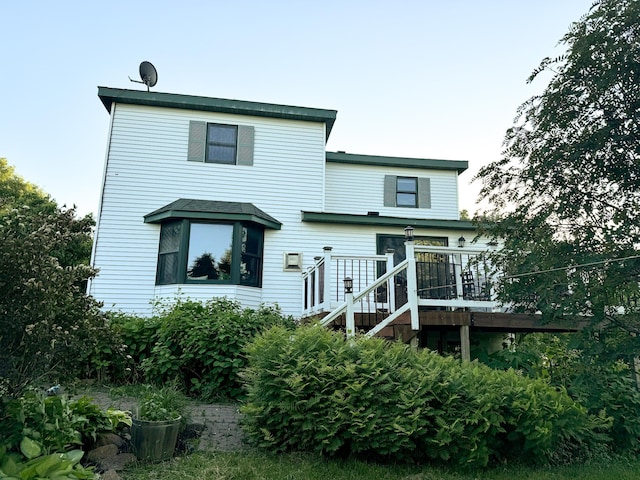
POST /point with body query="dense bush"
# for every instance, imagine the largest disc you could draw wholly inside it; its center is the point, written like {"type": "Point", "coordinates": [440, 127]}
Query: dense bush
{"type": "Point", "coordinates": [117, 358]}
{"type": "Point", "coordinates": [612, 390]}
{"type": "Point", "coordinates": [201, 344]}
{"type": "Point", "coordinates": [47, 322]}
{"type": "Point", "coordinates": [312, 390]}
{"type": "Point", "coordinates": [603, 383]}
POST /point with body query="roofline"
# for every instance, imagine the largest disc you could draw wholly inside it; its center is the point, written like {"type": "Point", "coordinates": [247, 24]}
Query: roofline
{"type": "Point", "coordinates": [382, 221]}
{"type": "Point", "coordinates": [375, 160]}
{"type": "Point", "coordinates": [209, 104]}
{"type": "Point", "coordinates": [246, 217]}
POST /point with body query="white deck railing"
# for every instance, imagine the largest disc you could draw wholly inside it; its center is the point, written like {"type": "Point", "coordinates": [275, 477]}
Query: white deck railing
{"type": "Point", "coordinates": [444, 277]}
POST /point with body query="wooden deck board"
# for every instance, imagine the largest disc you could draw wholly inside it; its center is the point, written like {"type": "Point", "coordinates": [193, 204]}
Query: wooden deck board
{"type": "Point", "coordinates": [498, 322]}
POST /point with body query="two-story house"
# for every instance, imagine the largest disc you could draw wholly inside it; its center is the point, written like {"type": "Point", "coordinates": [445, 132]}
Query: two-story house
{"type": "Point", "coordinates": [208, 197]}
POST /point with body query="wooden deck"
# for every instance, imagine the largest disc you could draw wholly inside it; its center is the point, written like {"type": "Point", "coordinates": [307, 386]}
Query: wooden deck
{"type": "Point", "coordinates": [434, 289]}
{"type": "Point", "coordinates": [498, 322]}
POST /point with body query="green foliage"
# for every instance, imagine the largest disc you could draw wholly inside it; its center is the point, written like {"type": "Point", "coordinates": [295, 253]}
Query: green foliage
{"type": "Point", "coordinates": [59, 466]}
{"type": "Point", "coordinates": [311, 390]}
{"type": "Point", "coordinates": [55, 423]}
{"type": "Point", "coordinates": [565, 203]}
{"type": "Point", "coordinates": [200, 345]}
{"type": "Point", "coordinates": [138, 335]}
{"type": "Point", "coordinates": [117, 357]}
{"type": "Point", "coordinates": [47, 321]}
{"type": "Point", "coordinates": [16, 192]}
{"type": "Point", "coordinates": [161, 404]}
{"type": "Point", "coordinates": [40, 436]}
{"type": "Point", "coordinates": [610, 389]}
{"type": "Point", "coordinates": [602, 384]}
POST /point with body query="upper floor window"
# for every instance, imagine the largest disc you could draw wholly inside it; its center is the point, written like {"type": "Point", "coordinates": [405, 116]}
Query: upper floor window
{"type": "Point", "coordinates": [221, 143]}
{"type": "Point", "coordinates": [407, 192]}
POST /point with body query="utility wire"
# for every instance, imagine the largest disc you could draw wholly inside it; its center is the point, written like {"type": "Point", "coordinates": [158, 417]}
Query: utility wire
{"type": "Point", "coordinates": [580, 265]}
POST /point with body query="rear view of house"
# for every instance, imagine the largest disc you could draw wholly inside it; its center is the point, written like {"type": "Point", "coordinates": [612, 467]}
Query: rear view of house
{"type": "Point", "coordinates": [212, 197]}
{"type": "Point", "coordinates": [207, 197]}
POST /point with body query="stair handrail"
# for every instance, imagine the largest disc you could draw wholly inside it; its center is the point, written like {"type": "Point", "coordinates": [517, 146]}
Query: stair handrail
{"type": "Point", "coordinates": [340, 309]}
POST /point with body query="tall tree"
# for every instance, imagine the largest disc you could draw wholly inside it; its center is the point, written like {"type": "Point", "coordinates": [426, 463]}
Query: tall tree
{"type": "Point", "coordinates": [47, 322]}
{"type": "Point", "coordinates": [566, 192]}
{"type": "Point", "coordinates": [15, 191]}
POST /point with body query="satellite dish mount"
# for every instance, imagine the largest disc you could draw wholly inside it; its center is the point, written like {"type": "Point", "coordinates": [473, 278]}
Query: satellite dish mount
{"type": "Point", "coordinates": [148, 74]}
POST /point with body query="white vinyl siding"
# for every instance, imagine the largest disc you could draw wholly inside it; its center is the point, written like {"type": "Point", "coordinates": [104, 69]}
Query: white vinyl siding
{"type": "Point", "coordinates": [148, 168]}
{"type": "Point", "coordinates": [359, 189]}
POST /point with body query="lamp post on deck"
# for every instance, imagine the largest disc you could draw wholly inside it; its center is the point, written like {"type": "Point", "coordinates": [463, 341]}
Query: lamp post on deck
{"type": "Point", "coordinates": [408, 233]}
{"type": "Point", "coordinates": [350, 323]}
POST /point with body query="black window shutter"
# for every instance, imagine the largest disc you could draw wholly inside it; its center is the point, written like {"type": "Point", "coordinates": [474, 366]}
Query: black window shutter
{"type": "Point", "coordinates": [197, 141]}
{"type": "Point", "coordinates": [390, 190]}
{"type": "Point", "coordinates": [245, 144]}
{"type": "Point", "coordinates": [424, 192]}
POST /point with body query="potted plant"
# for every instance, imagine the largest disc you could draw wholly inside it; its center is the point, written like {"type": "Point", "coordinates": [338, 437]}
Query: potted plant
{"type": "Point", "coordinates": [157, 420]}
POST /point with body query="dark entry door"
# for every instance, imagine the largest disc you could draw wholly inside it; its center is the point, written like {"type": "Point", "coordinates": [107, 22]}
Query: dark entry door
{"type": "Point", "coordinates": [432, 269]}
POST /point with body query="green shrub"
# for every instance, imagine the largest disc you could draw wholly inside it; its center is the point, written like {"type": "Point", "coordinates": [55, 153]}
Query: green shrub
{"type": "Point", "coordinates": [201, 345]}
{"type": "Point", "coordinates": [55, 423]}
{"type": "Point", "coordinates": [161, 404]}
{"type": "Point", "coordinates": [31, 464]}
{"type": "Point", "coordinates": [41, 437]}
{"type": "Point", "coordinates": [600, 381]}
{"type": "Point", "coordinates": [612, 390]}
{"type": "Point", "coordinates": [137, 336]}
{"type": "Point", "coordinates": [47, 321]}
{"type": "Point", "coordinates": [311, 390]}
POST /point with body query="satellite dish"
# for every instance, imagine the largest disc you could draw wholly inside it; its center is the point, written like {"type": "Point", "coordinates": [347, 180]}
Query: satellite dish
{"type": "Point", "coordinates": [148, 74]}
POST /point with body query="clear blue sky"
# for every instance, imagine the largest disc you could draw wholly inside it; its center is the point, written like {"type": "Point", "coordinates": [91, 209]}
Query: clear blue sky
{"type": "Point", "coordinates": [429, 79]}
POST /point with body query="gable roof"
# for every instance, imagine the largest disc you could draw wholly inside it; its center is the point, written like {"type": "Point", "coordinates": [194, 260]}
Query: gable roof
{"type": "Point", "coordinates": [221, 105]}
{"type": "Point", "coordinates": [375, 160]}
{"type": "Point", "coordinates": [212, 210]}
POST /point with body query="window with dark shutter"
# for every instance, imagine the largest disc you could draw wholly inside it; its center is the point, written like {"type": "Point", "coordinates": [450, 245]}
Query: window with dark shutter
{"type": "Point", "coordinates": [407, 192]}
{"type": "Point", "coordinates": [219, 143]}
{"type": "Point", "coordinates": [222, 143]}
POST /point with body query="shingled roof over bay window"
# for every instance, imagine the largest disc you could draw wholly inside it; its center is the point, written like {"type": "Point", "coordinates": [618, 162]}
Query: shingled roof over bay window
{"type": "Point", "coordinates": [212, 210]}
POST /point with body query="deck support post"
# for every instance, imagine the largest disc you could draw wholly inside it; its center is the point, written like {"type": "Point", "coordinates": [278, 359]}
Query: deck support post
{"type": "Point", "coordinates": [412, 284]}
{"type": "Point", "coordinates": [350, 321]}
{"type": "Point", "coordinates": [326, 304]}
{"type": "Point", "coordinates": [316, 283]}
{"type": "Point", "coordinates": [465, 344]}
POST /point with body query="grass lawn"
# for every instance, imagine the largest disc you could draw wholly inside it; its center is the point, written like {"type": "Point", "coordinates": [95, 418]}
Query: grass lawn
{"type": "Point", "coordinates": [260, 466]}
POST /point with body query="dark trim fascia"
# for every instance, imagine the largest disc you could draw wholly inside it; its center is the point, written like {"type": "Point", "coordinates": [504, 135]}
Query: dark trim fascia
{"type": "Point", "coordinates": [381, 221]}
{"type": "Point", "coordinates": [233, 217]}
{"type": "Point", "coordinates": [208, 104]}
{"type": "Point", "coordinates": [375, 160]}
